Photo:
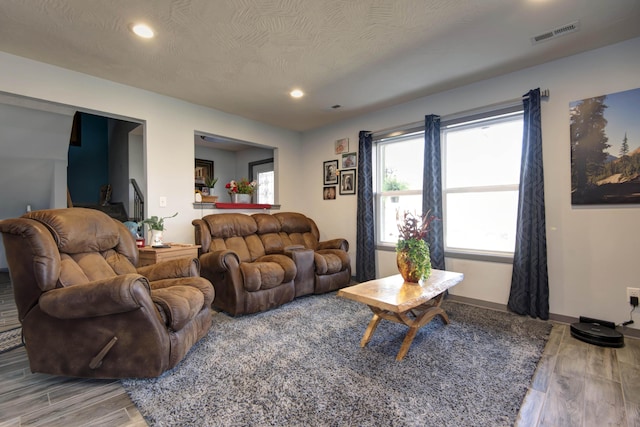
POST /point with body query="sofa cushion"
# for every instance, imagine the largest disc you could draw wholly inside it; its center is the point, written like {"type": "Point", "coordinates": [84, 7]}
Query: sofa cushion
{"type": "Point", "coordinates": [230, 225]}
{"type": "Point", "coordinates": [292, 222]}
{"type": "Point", "coordinates": [272, 243]}
{"type": "Point", "coordinates": [239, 246]}
{"type": "Point", "coordinates": [261, 275]}
{"type": "Point", "coordinates": [330, 261]}
{"type": "Point", "coordinates": [94, 266]}
{"type": "Point", "coordinates": [299, 239]}
{"type": "Point", "coordinates": [266, 223]}
{"type": "Point", "coordinates": [70, 272]}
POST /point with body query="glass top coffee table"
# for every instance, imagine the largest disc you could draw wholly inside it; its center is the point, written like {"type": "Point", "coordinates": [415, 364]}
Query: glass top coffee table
{"type": "Point", "coordinates": [411, 304]}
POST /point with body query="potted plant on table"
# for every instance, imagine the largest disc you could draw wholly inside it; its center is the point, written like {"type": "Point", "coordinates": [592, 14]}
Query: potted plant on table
{"type": "Point", "coordinates": [241, 191]}
{"type": "Point", "coordinates": [412, 250]}
{"type": "Point", "coordinates": [156, 227]}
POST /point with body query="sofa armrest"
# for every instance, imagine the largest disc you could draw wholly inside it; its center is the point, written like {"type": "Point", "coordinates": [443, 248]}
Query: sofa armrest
{"type": "Point", "coordinates": [202, 235]}
{"type": "Point", "coordinates": [114, 295]}
{"type": "Point", "coordinates": [171, 269]}
{"type": "Point", "coordinates": [334, 244]}
{"type": "Point", "coordinates": [218, 261]}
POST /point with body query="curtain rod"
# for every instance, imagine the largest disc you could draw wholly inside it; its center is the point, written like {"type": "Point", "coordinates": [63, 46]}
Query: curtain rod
{"type": "Point", "coordinates": [544, 94]}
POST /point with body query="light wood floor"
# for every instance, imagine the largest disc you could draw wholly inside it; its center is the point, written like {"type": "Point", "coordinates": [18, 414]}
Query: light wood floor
{"type": "Point", "coordinates": [576, 384]}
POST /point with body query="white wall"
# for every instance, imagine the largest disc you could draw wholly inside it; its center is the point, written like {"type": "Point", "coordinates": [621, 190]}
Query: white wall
{"type": "Point", "coordinates": [169, 128]}
{"type": "Point", "coordinates": [33, 161]}
{"type": "Point", "coordinates": [592, 251]}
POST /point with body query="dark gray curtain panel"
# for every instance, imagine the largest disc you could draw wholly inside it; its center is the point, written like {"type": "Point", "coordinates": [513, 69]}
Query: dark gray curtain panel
{"type": "Point", "coordinates": [432, 189]}
{"type": "Point", "coordinates": [366, 236]}
{"type": "Point", "coordinates": [529, 281]}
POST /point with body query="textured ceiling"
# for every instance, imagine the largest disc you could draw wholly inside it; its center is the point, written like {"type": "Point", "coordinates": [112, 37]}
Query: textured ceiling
{"type": "Point", "coordinates": [244, 56]}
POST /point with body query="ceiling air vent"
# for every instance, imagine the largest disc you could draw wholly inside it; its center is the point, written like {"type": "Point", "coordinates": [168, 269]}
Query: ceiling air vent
{"type": "Point", "coordinates": [557, 32]}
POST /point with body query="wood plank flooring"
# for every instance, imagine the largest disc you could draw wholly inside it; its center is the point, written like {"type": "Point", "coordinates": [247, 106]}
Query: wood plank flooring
{"type": "Point", "coordinates": [8, 311]}
{"type": "Point", "coordinates": [28, 399]}
{"type": "Point", "coordinates": [575, 384]}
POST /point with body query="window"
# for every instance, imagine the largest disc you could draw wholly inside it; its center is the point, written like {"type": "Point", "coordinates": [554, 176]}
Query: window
{"type": "Point", "coordinates": [262, 172]}
{"type": "Point", "coordinates": [481, 173]}
{"type": "Point", "coordinates": [399, 180]}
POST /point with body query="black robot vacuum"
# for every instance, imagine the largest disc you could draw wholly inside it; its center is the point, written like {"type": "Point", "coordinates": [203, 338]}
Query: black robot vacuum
{"type": "Point", "coordinates": [598, 332]}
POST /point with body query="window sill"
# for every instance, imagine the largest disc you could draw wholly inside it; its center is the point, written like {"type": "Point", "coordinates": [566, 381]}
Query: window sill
{"type": "Point", "coordinates": [488, 257]}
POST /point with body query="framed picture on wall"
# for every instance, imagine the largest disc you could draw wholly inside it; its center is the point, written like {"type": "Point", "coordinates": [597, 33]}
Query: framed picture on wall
{"type": "Point", "coordinates": [342, 145]}
{"type": "Point", "coordinates": [349, 160]}
{"type": "Point", "coordinates": [330, 172]}
{"type": "Point", "coordinates": [203, 170]}
{"type": "Point", "coordinates": [329, 193]}
{"type": "Point", "coordinates": [605, 150]}
{"type": "Point", "coordinates": [348, 181]}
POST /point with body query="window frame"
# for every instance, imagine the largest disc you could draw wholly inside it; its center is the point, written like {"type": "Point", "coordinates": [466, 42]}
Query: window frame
{"type": "Point", "coordinates": [491, 116]}
{"type": "Point", "coordinates": [379, 195]}
{"type": "Point", "coordinates": [410, 131]}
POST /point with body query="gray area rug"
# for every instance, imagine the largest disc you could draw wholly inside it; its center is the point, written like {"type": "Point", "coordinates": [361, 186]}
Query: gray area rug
{"type": "Point", "coordinates": [302, 365]}
{"type": "Point", "coordinates": [10, 339]}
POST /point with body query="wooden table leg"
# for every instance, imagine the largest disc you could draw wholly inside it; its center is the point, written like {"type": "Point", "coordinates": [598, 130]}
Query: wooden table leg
{"type": "Point", "coordinates": [415, 324]}
{"type": "Point", "coordinates": [414, 318]}
{"type": "Point", "coordinates": [373, 324]}
{"type": "Point", "coordinates": [406, 343]}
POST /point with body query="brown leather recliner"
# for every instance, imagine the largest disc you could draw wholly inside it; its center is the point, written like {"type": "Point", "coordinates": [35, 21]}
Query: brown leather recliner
{"type": "Point", "coordinates": [86, 310]}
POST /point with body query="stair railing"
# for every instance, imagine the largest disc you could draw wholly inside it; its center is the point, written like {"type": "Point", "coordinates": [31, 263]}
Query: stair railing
{"type": "Point", "coordinates": [138, 202]}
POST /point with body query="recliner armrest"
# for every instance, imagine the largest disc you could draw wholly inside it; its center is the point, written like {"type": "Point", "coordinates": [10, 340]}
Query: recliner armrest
{"type": "Point", "coordinates": [171, 269]}
{"type": "Point", "coordinates": [334, 244]}
{"type": "Point", "coordinates": [114, 295]}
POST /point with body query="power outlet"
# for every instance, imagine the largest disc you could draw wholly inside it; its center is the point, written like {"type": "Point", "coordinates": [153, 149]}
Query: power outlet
{"type": "Point", "coordinates": [633, 292]}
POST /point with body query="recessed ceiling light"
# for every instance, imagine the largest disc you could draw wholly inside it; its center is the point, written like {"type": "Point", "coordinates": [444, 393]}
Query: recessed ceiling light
{"type": "Point", "coordinates": [296, 93]}
{"type": "Point", "coordinates": [142, 30]}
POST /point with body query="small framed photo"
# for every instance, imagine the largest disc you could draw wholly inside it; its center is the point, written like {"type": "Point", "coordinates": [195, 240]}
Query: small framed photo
{"type": "Point", "coordinates": [349, 160]}
{"type": "Point", "coordinates": [348, 181]}
{"type": "Point", "coordinates": [329, 193]}
{"type": "Point", "coordinates": [342, 145]}
{"type": "Point", "coordinates": [330, 172]}
{"type": "Point", "coordinates": [203, 170]}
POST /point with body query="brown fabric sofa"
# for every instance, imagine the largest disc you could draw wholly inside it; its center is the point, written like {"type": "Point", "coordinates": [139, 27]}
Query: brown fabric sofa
{"type": "Point", "coordinates": [86, 310]}
{"type": "Point", "coordinates": [257, 262]}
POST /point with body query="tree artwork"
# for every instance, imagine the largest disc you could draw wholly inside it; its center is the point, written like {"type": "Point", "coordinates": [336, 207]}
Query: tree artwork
{"type": "Point", "coordinates": [605, 149]}
{"type": "Point", "coordinates": [588, 140]}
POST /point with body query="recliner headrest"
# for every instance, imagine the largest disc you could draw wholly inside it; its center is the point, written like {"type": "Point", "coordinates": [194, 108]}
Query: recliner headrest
{"type": "Point", "coordinates": [79, 230]}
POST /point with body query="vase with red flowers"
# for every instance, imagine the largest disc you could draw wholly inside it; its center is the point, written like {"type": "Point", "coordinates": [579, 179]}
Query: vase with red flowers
{"type": "Point", "coordinates": [241, 191]}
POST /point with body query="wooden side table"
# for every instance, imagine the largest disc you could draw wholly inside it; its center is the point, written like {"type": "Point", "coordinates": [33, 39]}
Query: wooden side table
{"type": "Point", "coordinates": [149, 255]}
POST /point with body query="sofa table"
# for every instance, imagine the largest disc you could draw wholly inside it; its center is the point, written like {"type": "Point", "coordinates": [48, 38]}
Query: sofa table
{"type": "Point", "coordinates": [150, 255]}
{"type": "Point", "coordinates": [411, 304]}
